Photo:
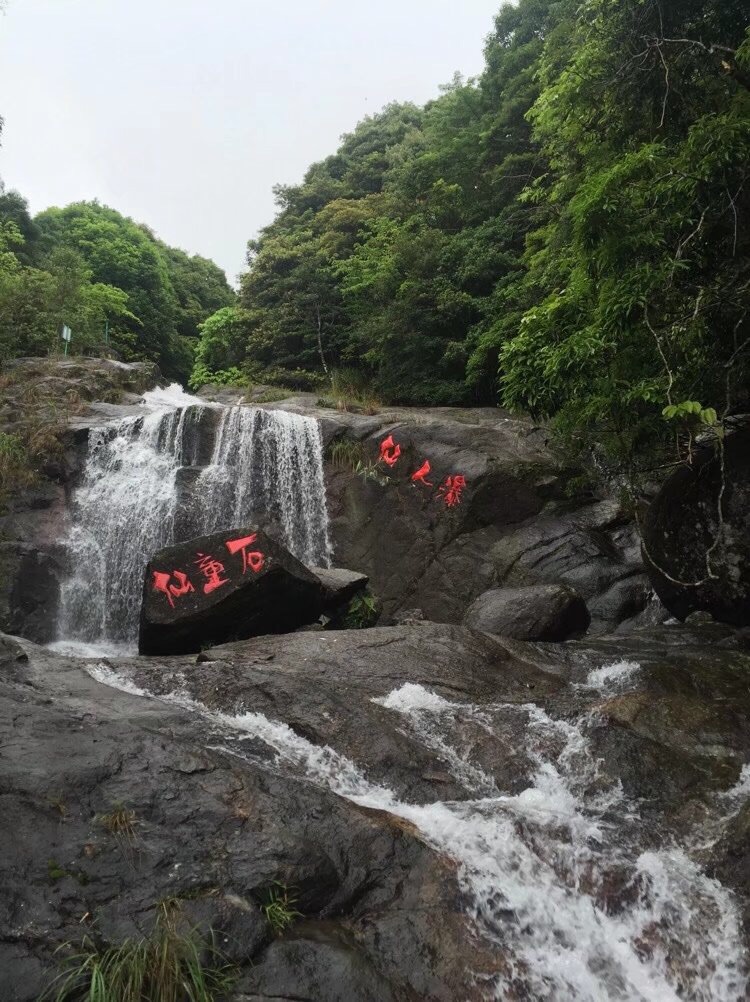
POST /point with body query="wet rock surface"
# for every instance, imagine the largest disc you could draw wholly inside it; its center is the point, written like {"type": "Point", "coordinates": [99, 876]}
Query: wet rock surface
{"type": "Point", "coordinates": [218, 816]}
{"type": "Point", "coordinates": [324, 685]}
{"type": "Point", "coordinates": [210, 829]}
{"type": "Point", "coordinates": [340, 584]}
{"type": "Point", "coordinates": [518, 522]}
{"type": "Point", "coordinates": [537, 612]}
{"type": "Point", "coordinates": [697, 534]}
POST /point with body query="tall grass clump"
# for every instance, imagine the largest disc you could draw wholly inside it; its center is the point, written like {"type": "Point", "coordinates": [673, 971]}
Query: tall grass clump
{"type": "Point", "coordinates": [168, 966]}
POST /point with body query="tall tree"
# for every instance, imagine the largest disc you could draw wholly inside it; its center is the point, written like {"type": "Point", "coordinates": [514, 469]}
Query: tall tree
{"type": "Point", "coordinates": [168, 292]}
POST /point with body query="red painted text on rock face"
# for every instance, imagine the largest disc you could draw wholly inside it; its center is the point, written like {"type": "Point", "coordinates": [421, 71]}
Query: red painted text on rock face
{"type": "Point", "coordinates": [163, 582]}
{"type": "Point", "coordinates": [253, 559]}
{"type": "Point", "coordinates": [389, 451]}
{"type": "Point", "coordinates": [451, 489]}
{"type": "Point", "coordinates": [212, 570]}
{"type": "Point", "coordinates": [420, 477]}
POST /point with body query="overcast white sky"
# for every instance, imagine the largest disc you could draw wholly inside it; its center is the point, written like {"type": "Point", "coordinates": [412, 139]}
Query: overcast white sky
{"type": "Point", "coordinates": [184, 113]}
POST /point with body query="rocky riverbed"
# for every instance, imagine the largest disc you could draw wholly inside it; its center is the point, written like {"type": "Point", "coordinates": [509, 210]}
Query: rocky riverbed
{"type": "Point", "coordinates": [456, 815]}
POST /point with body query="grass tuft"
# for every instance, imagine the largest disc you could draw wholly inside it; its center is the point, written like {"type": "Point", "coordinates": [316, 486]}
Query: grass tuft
{"type": "Point", "coordinates": [168, 966]}
{"type": "Point", "coordinates": [345, 454]}
{"type": "Point", "coordinates": [279, 909]}
{"type": "Point", "coordinates": [120, 822]}
{"type": "Point", "coordinates": [16, 469]}
{"type": "Point", "coordinates": [272, 394]}
{"type": "Point", "coordinates": [351, 457]}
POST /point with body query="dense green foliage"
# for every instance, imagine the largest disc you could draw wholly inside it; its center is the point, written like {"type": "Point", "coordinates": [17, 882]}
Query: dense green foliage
{"type": "Point", "coordinates": [567, 234]}
{"type": "Point", "coordinates": [635, 294]}
{"type": "Point", "coordinates": [93, 269]}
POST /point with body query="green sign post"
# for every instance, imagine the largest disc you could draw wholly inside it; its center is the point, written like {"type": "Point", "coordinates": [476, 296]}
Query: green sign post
{"type": "Point", "coordinates": [67, 334]}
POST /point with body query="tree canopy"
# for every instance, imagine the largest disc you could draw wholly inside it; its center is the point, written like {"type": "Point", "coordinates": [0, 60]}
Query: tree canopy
{"type": "Point", "coordinates": [566, 234]}
{"type": "Point", "coordinates": [97, 271]}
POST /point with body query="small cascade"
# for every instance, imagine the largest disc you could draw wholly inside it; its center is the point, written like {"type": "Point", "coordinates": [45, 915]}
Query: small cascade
{"type": "Point", "coordinates": [537, 867]}
{"type": "Point", "coordinates": [132, 501]}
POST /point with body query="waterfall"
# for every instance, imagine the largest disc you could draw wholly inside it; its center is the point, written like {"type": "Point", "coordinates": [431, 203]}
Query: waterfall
{"type": "Point", "coordinates": [134, 498]}
{"type": "Point", "coordinates": [268, 461]}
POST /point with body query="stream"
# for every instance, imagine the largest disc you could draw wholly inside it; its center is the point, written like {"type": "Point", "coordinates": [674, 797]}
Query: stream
{"type": "Point", "coordinates": [538, 869]}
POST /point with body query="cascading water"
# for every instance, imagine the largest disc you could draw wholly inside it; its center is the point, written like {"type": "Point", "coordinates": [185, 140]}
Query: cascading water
{"type": "Point", "coordinates": [535, 867]}
{"type": "Point", "coordinates": [268, 461]}
{"type": "Point", "coordinates": [131, 501]}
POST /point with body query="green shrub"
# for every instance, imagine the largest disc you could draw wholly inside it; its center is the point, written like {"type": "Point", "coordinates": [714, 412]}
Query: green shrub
{"type": "Point", "coordinates": [296, 379]}
{"type": "Point", "coordinates": [201, 375]}
{"type": "Point", "coordinates": [362, 612]}
{"type": "Point", "coordinates": [16, 468]}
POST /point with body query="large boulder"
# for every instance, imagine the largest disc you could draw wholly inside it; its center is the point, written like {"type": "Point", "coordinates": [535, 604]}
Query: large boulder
{"type": "Point", "coordinates": [226, 586]}
{"type": "Point", "coordinates": [696, 535]}
{"type": "Point", "coordinates": [538, 612]}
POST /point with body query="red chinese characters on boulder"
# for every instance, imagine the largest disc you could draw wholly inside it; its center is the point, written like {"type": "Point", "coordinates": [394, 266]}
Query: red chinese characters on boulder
{"type": "Point", "coordinates": [389, 451]}
{"type": "Point", "coordinates": [451, 489]}
{"type": "Point", "coordinates": [420, 476]}
{"type": "Point", "coordinates": [163, 582]}
{"type": "Point", "coordinates": [253, 559]}
{"type": "Point", "coordinates": [212, 570]}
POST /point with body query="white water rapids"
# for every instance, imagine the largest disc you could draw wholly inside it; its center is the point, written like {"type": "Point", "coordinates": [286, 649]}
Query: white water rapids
{"type": "Point", "coordinates": [144, 487]}
{"type": "Point", "coordinates": [536, 868]}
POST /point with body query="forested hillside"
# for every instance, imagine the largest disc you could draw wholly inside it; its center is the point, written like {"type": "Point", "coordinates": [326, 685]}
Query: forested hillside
{"type": "Point", "coordinates": [567, 234]}
{"type": "Point", "coordinates": [108, 278]}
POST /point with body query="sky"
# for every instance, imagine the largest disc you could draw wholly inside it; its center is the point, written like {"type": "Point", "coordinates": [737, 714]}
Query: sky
{"type": "Point", "coordinates": [184, 113]}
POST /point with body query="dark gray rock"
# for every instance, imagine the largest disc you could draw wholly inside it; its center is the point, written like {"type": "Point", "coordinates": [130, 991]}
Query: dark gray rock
{"type": "Point", "coordinates": [92, 378]}
{"type": "Point", "coordinates": [61, 399]}
{"type": "Point", "coordinates": [31, 575]}
{"type": "Point", "coordinates": [730, 857]}
{"type": "Point", "coordinates": [678, 724]}
{"type": "Point", "coordinates": [697, 559]}
{"type": "Point", "coordinates": [225, 586]}
{"type": "Point", "coordinates": [340, 584]}
{"type": "Point", "coordinates": [653, 615]}
{"type": "Point", "coordinates": [234, 925]}
{"type": "Point", "coordinates": [324, 961]}
{"type": "Point", "coordinates": [537, 612]}
{"type": "Point", "coordinates": [517, 523]}
{"type": "Point", "coordinates": [329, 680]}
